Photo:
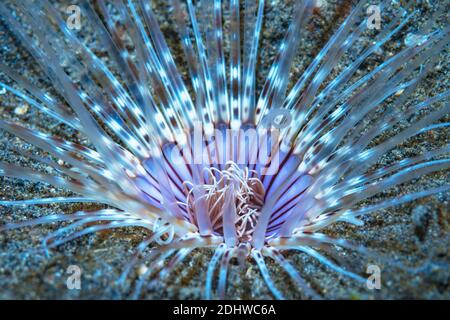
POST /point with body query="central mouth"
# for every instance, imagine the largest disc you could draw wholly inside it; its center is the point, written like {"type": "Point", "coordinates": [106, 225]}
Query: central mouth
{"type": "Point", "coordinates": [233, 188]}
{"type": "Point", "coordinates": [244, 191]}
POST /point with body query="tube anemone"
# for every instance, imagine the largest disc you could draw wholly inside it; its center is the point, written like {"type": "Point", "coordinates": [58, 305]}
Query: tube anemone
{"type": "Point", "coordinates": [201, 161]}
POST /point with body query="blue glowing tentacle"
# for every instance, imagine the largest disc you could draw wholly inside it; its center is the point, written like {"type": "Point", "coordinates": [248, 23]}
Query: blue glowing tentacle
{"type": "Point", "coordinates": [70, 149]}
{"type": "Point", "coordinates": [158, 258]}
{"type": "Point", "coordinates": [115, 223]}
{"type": "Point", "coordinates": [257, 256]}
{"type": "Point", "coordinates": [67, 89]}
{"type": "Point", "coordinates": [161, 271]}
{"type": "Point", "coordinates": [307, 98]}
{"type": "Point", "coordinates": [114, 45]}
{"type": "Point", "coordinates": [173, 263]}
{"type": "Point", "coordinates": [384, 87]}
{"type": "Point", "coordinates": [76, 175]}
{"type": "Point", "coordinates": [205, 13]}
{"type": "Point", "coordinates": [64, 217]}
{"type": "Point", "coordinates": [343, 159]}
{"type": "Point", "coordinates": [334, 86]}
{"type": "Point", "coordinates": [235, 66]}
{"type": "Point", "coordinates": [45, 201]}
{"type": "Point", "coordinates": [45, 143]}
{"type": "Point", "coordinates": [13, 171]}
{"type": "Point", "coordinates": [210, 116]}
{"type": "Point", "coordinates": [315, 239]}
{"type": "Point", "coordinates": [111, 85]}
{"type": "Point", "coordinates": [293, 198]}
{"type": "Point", "coordinates": [154, 112]}
{"type": "Point", "coordinates": [396, 201]}
{"type": "Point", "coordinates": [211, 267]}
{"type": "Point", "coordinates": [191, 58]}
{"type": "Point", "coordinates": [158, 73]}
{"type": "Point", "coordinates": [229, 217]}
{"type": "Point", "coordinates": [166, 59]}
{"type": "Point", "coordinates": [293, 273]}
{"type": "Point", "coordinates": [210, 25]}
{"type": "Point", "coordinates": [323, 120]}
{"type": "Point", "coordinates": [223, 271]}
{"type": "Point", "coordinates": [326, 262]}
{"type": "Point", "coordinates": [319, 240]}
{"type": "Point", "coordinates": [222, 103]}
{"type": "Point", "coordinates": [370, 156]}
{"type": "Point", "coordinates": [48, 104]}
{"type": "Point", "coordinates": [346, 197]}
{"type": "Point", "coordinates": [382, 172]}
{"type": "Point", "coordinates": [359, 141]}
{"type": "Point", "coordinates": [322, 220]}
{"type": "Point", "coordinates": [252, 32]}
{"type": "Point", "coordinates": [165, 251]}
{"type": "Point", "coordinates": [273, 92]}
{"type": "Point", "coordinates": [435, 126]}
{"type": "Point", "coordinates": [138, 252]}
{"type": "Point", "coordinates": [337, 38]}
{"type": "Point", "coordinates": [298, 215]}
{"type": "Point", "coordinates": [91, 190]}
{"type": "Point", "coordinates": [169, 200]}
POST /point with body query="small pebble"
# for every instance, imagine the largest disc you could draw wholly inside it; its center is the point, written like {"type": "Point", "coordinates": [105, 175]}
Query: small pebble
{"type": "Point", "coordinates": [21, 110]}
{"type": "Point", "coordinates": [142, 269]}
